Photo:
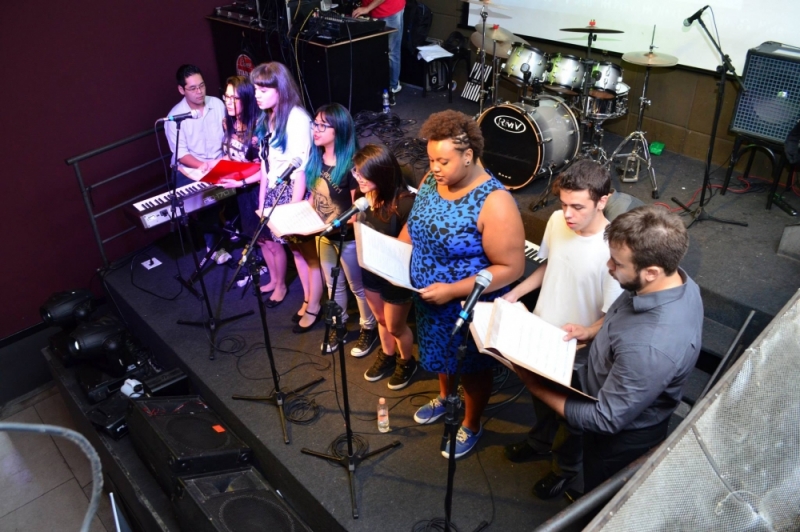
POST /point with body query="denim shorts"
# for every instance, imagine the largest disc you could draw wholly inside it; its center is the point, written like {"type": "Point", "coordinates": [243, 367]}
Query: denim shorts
{"type": "Point", "coordinates": [394, 295]}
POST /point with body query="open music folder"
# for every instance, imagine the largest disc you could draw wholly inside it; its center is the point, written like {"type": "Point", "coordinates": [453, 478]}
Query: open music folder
{"type": "Point", "coordinates": [298, 218]}
{"type": "Point", "coordinates": [512, 334]}
{"type": "Point", "coordinates": [221, 169]}
{"type": "Point", "coordinates": [383, 255]}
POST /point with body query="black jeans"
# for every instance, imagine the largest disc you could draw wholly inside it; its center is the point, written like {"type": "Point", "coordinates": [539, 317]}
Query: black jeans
{"type": "Point", "coordinates": [606, 454]}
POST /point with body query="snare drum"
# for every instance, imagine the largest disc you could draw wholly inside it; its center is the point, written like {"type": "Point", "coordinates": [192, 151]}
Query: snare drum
{"type": "Point", "coordinates": [566, 76]}
{"type": "Point", "coordinates": [605, 109]}
{"type": "Point", "coordinates": [606, 76]}
{"type": "Point", "coordinates": [525, 54]}
{"type": "Point", "coordinates": [522, 141]}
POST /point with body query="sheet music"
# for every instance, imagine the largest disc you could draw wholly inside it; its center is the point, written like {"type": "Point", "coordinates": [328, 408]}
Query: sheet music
{"type": "Point", "coordinates": [294, 219]}
{"type": "Point", "coordinates": [383, 255]}
{"type": "Point", "coordinates": [531, 342]}
{"type": "Point", "coordinates": [481, 318]}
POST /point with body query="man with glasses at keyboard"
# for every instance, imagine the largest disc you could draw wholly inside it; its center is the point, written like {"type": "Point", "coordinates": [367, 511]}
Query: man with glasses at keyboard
{"type": "Point", "coordinates": [200, 139]}
{"type": "Point", "coordinates": [576, 287]}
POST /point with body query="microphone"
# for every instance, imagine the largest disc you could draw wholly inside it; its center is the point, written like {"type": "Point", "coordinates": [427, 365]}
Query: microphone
{"type": "Point", "coordinates": [361, 205]}
{"type": "Point", "coordinates": [181, 117]}
{"type": "Point", "coordinates": [294, 165]}
{"type": "Point", "coordinates": [482, 281]}
{"type": "Point", "coordinates": [688, 22]}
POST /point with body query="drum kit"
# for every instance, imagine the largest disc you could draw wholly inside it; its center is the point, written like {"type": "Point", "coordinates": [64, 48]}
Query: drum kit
{"type": "Point", "coordinates": [563, 102]}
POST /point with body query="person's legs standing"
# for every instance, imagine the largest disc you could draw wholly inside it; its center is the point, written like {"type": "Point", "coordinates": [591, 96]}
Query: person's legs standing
{"type": "Point", "coordinates": [395, 43]}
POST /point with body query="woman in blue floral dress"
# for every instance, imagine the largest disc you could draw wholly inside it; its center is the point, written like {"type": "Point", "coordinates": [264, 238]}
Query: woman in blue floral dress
{"type": "Point", "coordinates": [462, 222]}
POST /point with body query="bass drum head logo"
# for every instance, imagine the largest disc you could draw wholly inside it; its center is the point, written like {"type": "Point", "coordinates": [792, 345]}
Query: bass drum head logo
{"type": "Point", "coordinates": [510, 124]}
{"type": "Point", "coordinates": [244, 65]}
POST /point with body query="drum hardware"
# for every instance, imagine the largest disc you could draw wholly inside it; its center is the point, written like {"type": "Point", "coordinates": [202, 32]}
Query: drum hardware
{"type": "Point", "coordinates": [497, 34]}
{"type": "Point", "coordinates": [640, 153]}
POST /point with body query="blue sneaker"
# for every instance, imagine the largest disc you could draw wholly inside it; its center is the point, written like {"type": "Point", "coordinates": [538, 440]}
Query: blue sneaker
{"type": "Point", "coordinates": [465, 441]}
{"type": "Point", "coordinates": [430, 412]}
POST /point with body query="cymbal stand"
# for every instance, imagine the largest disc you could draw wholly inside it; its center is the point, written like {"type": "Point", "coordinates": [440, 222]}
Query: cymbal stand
{"type": "Point", "coordinates": [333, 317]}
{"type": "Point", "coordinates": [699, 213]}
{"type": "Point", "coordinates": [591, 130]}
{"type": "Point", "coordinates": [640, 153]}
{"type": "Point", "coordinates": [278, 396]}
{"type": "Point", "coordinates": [484, 15]}
{"type": "Point", "coordinates": [176, 205]}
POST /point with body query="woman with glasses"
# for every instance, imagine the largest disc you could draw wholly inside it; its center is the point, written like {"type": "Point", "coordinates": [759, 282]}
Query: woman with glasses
{"type": "Point", "coordinates": [283, 132]}
{"type": "Point", "coordinates": [463, 221]}
{"type": "Point", "coordinates": [333, 189]}
{"type": "Point", "coordinates": [381, 181]}
{"type": "Point", "coordinates": [241, 144]}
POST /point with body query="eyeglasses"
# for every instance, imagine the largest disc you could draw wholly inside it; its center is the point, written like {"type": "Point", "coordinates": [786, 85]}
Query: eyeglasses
{"type": "Point", "coordinates": [230, 98]}
{"type": "Point", "coordinates": [357, 174]}
{"type": "Point", "coordinates": [195, 88]}
{"type": "Point", "coordinates": [320, 126]}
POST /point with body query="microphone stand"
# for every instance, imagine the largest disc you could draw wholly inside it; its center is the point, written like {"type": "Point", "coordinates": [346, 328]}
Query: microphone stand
{"type": "Point", "coordinates": [277, 397]}
{"type": "Point", "coordinates": [333, 317]}
{"type": "Point", "coordinates": [176, 205]}
{"type": "Point", "coordinates": [699, 214]}
{"type": "Point", "coordinates": [451, 424]}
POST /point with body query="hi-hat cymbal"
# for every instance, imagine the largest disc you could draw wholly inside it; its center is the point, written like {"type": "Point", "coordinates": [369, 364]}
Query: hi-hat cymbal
{"type": "Point", "coordinates": [649, 58]}
{"type": "Point", "coordinates": [496, 34]}
{"type": "Point", "coordinates": [503, 49]}
{"type": "Point", "coordinates": [485, 3]}
{"type": "Point", "coordinates": [591, 29]}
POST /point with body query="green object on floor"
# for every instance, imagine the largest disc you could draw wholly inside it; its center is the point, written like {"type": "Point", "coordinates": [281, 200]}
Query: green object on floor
{"type": "Point", "coordinates": [656, 148]}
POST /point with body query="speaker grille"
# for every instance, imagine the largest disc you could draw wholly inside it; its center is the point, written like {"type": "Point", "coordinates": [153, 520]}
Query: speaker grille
{"type": "Point", "coordinates": [770, 105]}
{"type": "Point", "coordinates": [253, 513]}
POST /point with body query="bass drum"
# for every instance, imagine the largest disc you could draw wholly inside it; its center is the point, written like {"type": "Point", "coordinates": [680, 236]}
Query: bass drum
{"type": "Point", "coordinates": [523, 141]}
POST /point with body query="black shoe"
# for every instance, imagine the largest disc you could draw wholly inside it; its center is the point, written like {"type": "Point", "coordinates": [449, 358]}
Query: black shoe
{"type": "Point", "coordinates": [552, 485]}
{"type": "Point", "coordinates": [299, 329]}
{"type": "Point", "coordinates": [333, 341]}
{"type": "Point", "coordinates": [367, 339]}
{"type": "Point", "coordinates": [297, 317]}
{"type": "Point", "coordinates": [403, 372]}
{"type": "Point", "coordinates": [523, 452]}
{"type": "Point", "coordinates": [383, 365]}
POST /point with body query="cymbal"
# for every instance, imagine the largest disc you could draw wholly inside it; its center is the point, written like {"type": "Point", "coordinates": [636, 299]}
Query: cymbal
{"type": "Point", "coordinates": [485, 3]}
{"type": "Point", "coordinates": [649, 58]}
{"type": "Point", "coordinates": [591, 29]}
{"type": "Point", "coordinates": [499, 34]}
{"type": "Point", "coordinates": [502, 50]}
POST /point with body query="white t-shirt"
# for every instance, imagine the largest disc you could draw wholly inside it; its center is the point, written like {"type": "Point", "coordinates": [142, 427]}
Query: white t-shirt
{"type": "Point", "coordinates": [577, 287]}
{"type": "Point", "coordinates": [201, 137]}
{"type": "Point", "coordinates": [298, 144]}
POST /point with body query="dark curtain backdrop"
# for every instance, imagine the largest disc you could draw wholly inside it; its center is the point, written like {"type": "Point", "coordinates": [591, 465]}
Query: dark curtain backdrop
{"type": "Point", "coordinates": [78, 75]}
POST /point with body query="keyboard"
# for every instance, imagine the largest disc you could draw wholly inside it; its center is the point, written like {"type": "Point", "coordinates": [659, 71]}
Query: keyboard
{"type": "Point", "coordinates": [532, 259]}
{"type": "Point", "coordinates": [196, 196]}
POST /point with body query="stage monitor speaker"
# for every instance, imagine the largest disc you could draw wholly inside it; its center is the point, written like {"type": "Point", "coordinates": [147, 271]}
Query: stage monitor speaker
{"type": "Point", "coordinates": [232, 501]}
{"type": "Point", "coordinates": [769, 107]}
{"type": "Point", "coordinates": [181, 435]}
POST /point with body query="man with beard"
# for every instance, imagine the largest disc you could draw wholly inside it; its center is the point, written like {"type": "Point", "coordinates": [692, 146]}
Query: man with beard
{"type": "Point", "coordinates": [643, 352]}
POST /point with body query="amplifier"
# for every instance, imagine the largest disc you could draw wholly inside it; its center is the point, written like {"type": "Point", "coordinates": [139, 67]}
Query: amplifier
{"type": "Point", "coordinates": [769, 107]}
{"type": "Point", "coordinates": [232, 501]}
{"type": "Point", "coordinates": [181, 435]}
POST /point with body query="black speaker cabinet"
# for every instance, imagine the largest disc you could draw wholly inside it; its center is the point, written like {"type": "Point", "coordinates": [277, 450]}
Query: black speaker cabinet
{"type": "Point", "coordinates": [232, 501]}
{"type": "Point", "coordinates": [181, 435]}
{"type": "Point", "coordinates": [769, 107]}
{"type": "Point", "coordinates": [353, 74]}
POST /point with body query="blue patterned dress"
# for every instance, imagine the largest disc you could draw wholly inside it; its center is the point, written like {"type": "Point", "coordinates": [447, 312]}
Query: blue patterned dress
{"type": "Point", "coordinates": [447, 247]}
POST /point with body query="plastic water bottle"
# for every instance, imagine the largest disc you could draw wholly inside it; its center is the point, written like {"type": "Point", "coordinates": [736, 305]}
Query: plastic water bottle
{"type": "Point", "coordinates": [383, 416]}
{"type": "Point", "coordinates": [386, 101]}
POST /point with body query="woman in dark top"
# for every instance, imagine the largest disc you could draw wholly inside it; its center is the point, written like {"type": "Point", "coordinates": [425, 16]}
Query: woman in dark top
{"type": "Point", "coordinates": [463, 221]}
{"type": "Point", "coordinates": [381, 181]}
{"type": "Point", "coordinates": [241, 144]}
{"type": "Point", "coordinates": [333, 189]}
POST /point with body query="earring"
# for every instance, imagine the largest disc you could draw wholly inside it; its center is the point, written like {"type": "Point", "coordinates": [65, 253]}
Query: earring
{"type": "Point", "coordinates": [466, 163]}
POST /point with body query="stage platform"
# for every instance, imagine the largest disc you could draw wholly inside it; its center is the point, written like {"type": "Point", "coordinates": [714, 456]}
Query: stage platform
{"type": "Point", "coordinates": [736, 267]}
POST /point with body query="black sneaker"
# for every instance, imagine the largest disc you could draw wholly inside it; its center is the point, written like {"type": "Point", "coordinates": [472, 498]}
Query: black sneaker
{"type": "Point", "coordinates": [367, 339]}
{"type": "Point", "coordinates": [403, 372]}
{"type": "Point", "coordinates": [523, 452]}
{"type": "Point", "coordinates": [552, 485]}
{"type": "Point", "coordinates": [333, 341]}
{"type": "Point", "coordinates": [382, 366]}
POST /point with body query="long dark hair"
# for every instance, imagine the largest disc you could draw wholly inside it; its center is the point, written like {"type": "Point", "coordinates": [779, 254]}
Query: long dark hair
{"type": "Point", "coordinates": [248, 115]}
{"type": "Point", "coordinates": [344, 145]}
{"type": "Point", "coordinates": [276, 76]}
{"type": "Point", "coordinates": [379, 165]}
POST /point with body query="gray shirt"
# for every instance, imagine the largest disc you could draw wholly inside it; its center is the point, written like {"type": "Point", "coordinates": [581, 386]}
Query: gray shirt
{"type": "Point", "coordinates": [640, 360]}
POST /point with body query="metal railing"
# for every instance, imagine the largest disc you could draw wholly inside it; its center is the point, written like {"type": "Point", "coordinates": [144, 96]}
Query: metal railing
{"type": "Point", "coordinates": [86, 190]}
